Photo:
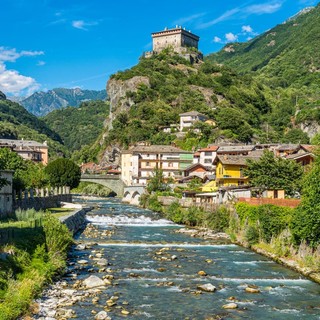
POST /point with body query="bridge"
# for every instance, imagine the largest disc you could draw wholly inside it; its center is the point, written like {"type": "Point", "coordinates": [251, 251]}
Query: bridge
{"type": "Point", "coordinates": [110, 181]}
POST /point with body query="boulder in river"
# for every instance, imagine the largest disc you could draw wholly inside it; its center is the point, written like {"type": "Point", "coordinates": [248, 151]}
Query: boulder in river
{"type": "Point", "coordinates": [102, 315]}
{"type": "Point", "coordinates": [93, 282]}
{"type": "Point", "coordinates": [230, 305]}
{"type": "Point", "coordinates": [208, 287]}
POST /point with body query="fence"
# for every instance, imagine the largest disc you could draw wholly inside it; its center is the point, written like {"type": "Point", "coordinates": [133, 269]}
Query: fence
{"type": "Point", "coordinates": [291, 203]}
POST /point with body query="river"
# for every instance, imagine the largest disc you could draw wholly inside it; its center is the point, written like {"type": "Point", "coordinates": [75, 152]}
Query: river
{"type": "Point", "coordinates": [155, 273]}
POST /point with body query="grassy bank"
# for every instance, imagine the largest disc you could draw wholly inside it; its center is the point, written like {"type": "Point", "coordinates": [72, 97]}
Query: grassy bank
{"type": "Point", "coordinates": [266, 229]}
{"type": "Point", "coordinates": [33, 257]}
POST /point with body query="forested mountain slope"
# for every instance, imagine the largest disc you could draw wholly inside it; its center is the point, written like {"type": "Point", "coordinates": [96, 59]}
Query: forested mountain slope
{"type": "Point", "coordinates": [17, 123]}
{"type": "Point", "coordinates": [79, 127]}
{"type": "Point", "coordinates": [287, 60]}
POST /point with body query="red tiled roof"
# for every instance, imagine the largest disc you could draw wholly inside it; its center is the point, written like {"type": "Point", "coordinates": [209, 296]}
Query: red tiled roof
{"type": "Point", "coordinates": [210, 148]}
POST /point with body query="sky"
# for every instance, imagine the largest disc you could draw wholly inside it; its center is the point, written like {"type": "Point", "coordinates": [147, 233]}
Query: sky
{"type": "Point", "coordinates": [47, 44]}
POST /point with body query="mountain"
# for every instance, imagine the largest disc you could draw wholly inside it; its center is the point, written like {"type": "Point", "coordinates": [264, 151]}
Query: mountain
{"type": "Point", "coordinates": [41, 103]}
{"type": "Point", "coordinates": [286, 51]}
{"type": "Point", "coordinates": [79, 127]}
{"type": "Point", "coordinates": [286, 59]}
{"type": "Point", "coordinates": [17, 123]}
{"type": "Point", "coordinates": [149, 97]}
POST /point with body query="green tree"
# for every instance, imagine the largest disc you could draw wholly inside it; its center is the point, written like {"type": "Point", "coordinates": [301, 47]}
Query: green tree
{"type": "Point", "coordinates": [306, 221]}
{"type": "Point", "coordinates": [63, 172]}
{"type": "Point", "coordinates": [10, 160]}
{"type": "Point", "coordinates": [270, 172]}
{"type": "Point", "coordinates": [156, 182]}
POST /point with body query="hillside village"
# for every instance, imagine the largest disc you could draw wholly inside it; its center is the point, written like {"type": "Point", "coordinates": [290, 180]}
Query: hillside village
{"type": "Point", "coordinates": [214, 175]}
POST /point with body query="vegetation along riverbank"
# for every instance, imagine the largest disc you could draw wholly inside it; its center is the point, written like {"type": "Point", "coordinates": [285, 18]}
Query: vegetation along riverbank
{"type": "Point", "coordinates": [288, 236]}
{"type": "Point", "coordinates": [32, 259]}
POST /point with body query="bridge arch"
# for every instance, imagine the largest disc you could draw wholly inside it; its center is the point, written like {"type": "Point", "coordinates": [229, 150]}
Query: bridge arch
{"type": "Point", "coordinates": [112, 182]}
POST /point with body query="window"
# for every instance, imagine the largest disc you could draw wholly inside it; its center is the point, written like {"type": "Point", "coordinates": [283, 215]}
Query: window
{"type": "Point", "coordinates": [170, 164]}
{"type": "Point", "coordinates": [208, 153]}
{"type": "Point", "coordinates": [147, 164]}
{"type": "Point", "coordinates": [207, 160]}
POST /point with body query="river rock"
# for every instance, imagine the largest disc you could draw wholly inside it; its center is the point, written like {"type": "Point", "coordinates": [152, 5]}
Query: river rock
{"type": "Point", "coordinates": [252, 290]}
{"type": "Point", "coordinates": [102, 315]}
{"type": "Point", "coordinates": [202, 273]}
{"type": "Point", "coordinates": [93, 282]}
{"type": "Point", "coordinates": [102, 262]}
{"type": "Point", "coordinates": [230, 305]}
{"type": "Point", "coordinates": [80, 247]}
{"type": "Point", "coordinates": [83, 261]}
{"type": "Point", "coordinates": [208, 287]}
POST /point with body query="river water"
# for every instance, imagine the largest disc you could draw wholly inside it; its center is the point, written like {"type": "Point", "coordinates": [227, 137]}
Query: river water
{"type": "Point", "coordinates": [156, 270]}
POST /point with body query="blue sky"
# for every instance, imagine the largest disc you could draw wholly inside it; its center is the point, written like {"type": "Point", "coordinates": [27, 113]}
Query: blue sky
{"type": "Point", "coordinates": [46, 44]}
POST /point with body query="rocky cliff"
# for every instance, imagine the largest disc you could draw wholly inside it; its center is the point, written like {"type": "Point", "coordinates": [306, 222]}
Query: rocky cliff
{"type": "Point", "coordinates": [117, 91]}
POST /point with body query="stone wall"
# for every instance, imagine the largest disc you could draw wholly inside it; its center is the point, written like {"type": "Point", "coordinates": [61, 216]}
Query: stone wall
{"type": "Point", "coordinates": [39, 203]}
{"type": "Point", "coordinates": [75, 221]}
{"type": "Point", "coordinates": [6, 194]}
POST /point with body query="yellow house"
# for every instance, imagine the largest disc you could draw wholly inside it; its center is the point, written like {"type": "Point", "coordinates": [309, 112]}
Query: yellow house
{"type": "Point", "coordinates": [229, 171]}
{"type": "Point", "coordinates": [230, 168]}
{"type": "Point", "coordinates": [210, 186]}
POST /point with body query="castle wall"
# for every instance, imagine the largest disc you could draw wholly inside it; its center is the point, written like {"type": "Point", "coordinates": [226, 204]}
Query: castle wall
{"type": "Point", "coordinates": [176, 38]}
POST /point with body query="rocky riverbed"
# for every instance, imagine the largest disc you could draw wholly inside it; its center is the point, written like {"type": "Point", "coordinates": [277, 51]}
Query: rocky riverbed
{"type": "Point", "coordinates": [131, 263]}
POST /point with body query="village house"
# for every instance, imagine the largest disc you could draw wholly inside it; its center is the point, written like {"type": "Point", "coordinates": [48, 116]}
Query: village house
{"type": "Point", "coordinates": [138, 163]}
{"type": "Point", "coordinates": [229, 168]}
{"type": "Point", "coordinates": [188, 119]}
{"type": "Point", "coordinates": [206, 156]}
{"type": "Point", "coordinates": [28, 149]}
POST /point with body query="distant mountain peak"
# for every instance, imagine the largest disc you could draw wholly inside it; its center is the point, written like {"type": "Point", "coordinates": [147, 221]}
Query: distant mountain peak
{"type": "Point", "coordinates": [301, 12]}
{"type": "Point", "coordinates": [41, 103]}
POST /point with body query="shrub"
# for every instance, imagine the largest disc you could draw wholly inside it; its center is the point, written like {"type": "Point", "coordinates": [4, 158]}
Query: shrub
{"type": "Point", "coordinates": [252, 235]}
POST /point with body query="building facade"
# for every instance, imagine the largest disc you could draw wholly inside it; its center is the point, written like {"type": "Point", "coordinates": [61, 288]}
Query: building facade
{"type": "Point", "coordinates": [28, 149]}
{"type": "Point", "coordinates": [176, 38]}
{"type": "Point", "coordinates": [139, 163]}
{"type": "Point", "coordinates": [188, 119]}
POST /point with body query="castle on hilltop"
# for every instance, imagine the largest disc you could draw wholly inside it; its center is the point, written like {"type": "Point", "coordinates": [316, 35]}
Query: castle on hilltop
{"type": "Point", "coordinates": [178, 38]}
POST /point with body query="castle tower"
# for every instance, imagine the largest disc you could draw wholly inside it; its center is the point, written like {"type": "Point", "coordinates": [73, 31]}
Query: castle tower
{"type": "Point", "coordinates": [177, 38]}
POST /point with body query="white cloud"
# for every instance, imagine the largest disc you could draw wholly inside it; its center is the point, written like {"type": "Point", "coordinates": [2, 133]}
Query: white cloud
{"type": "Point", "coordinates": [247, 29]}
{"type": "Point", "coordinates": [227, 15]}
{"type": "Point", "coordinates": [217, 39]}
{"type": "Point", "coordinates": [264, 8]}
{"type": "Point", "coordinates": [13, 82]}
{"type": "Point", "coordinates": [191, 18]}
{"type": "Point", "coordinates": [82, 25]}
{"type": "Point", "coordinates": [230, 37]}
{"type": "Point", "coordinates": [41, 63]}
{"type": "Point", "coordinates": [11, 54]}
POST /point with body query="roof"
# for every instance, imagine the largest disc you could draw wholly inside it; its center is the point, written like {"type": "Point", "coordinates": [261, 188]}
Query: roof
{"type": "Point", "coordinates": [155, 149]}
{"type": "Point", "coordinates": [209, 148]}
{"type": "Point", "coordinates": [296, 156]}
{"type": "Point", "coordinates": [239, 159]}
{"type": "Point", "coordinates": [309, 147]}
{"type": "Point", "coordinates": [175, 30]}
{"type": "Point", "coordinates": [288, 147]}
{"type": "Point", "coordinates": [194, 165]}
{"type": "Point", "coordinates": [22, 143]}
{"type": "Point", "coordinates": [236, 148]}
{"type": "Point", "coordinates": [192, 113]}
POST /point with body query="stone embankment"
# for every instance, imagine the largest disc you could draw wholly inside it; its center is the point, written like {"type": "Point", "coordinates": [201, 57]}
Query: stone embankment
{"type": "Point", "coordinates": [76, 220]}
{"type": "Point", "coordinates": [291, 264]}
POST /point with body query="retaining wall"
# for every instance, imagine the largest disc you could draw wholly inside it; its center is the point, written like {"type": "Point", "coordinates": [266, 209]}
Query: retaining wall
{"type": "Point", "coordinates": [75, 221]}
{"type": "Point", "coordinates": [39, 203]}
